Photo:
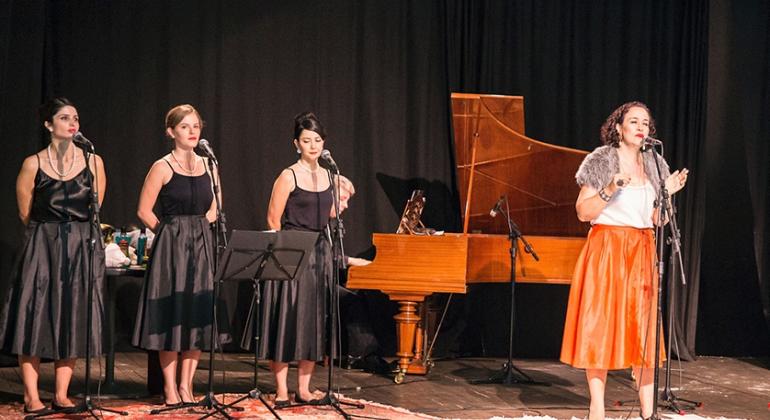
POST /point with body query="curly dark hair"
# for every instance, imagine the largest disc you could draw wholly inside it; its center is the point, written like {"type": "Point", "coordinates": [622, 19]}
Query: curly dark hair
{"type": "Point", "coordinates": [608, 134]}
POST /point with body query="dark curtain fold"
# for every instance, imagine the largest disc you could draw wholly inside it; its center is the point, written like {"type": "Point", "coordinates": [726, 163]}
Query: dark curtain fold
{"type": "Point", "coordinates": [22, 37]}
{"type": "Point", "coordinates": [574, 62]}
{"type": "Point", "coordinates": [757, 135]}
{"type": "Point", "coordinates": [733, 320]}
{"type": "Point", "coordinates": [20, 93]}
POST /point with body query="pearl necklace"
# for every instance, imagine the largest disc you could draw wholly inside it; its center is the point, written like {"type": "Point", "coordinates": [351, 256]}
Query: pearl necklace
{"type": "Point", "coordinates": [303, 166]}
{"type": "Point", "coordinates": [190, 171]}
{"type": "Point", "coordinates": [64, 174]}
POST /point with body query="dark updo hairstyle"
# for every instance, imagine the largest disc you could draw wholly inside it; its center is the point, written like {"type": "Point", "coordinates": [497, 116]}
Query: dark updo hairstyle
{"type": "Point", "coordinates": [308, 121]}
{"type": "Point", "coordinates": [609, 135]}
{"type": "Point", "coordinates": [51, 107]}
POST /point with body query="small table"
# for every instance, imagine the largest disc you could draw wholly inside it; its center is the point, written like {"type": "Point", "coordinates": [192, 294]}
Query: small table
{"type": "Point", "coordinates": [111, 274]}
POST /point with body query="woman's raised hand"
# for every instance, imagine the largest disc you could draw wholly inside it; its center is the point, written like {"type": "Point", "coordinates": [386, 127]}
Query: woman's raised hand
{"type": "Point", "coordinates": [676, 181]}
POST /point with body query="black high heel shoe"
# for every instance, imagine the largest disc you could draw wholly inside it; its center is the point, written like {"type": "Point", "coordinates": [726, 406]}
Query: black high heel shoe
{"type": "Point", "coordinates": [300, 400]}
{"type": "Point", "coordinates": [62, 408]}
{"type": "Point", "coordinates": [172, 405]}
{"type": "Point", "coordinates": [40, 410]}
{"type": "Point", "coordinates": [279, 404]}
{"type": "Point", "coordinates": [183, 402]}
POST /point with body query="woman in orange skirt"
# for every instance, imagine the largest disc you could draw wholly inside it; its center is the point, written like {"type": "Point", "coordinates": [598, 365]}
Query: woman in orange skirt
{"type": "Point", "coordinates": [612, 307]}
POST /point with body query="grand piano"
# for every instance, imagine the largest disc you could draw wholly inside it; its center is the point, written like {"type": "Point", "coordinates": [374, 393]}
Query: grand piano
{"type": "Point", "coordinates": [494, 158]}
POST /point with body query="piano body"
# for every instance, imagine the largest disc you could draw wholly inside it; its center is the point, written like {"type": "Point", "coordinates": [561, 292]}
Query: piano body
{"type": "Point", "coordinates": [494, 158]}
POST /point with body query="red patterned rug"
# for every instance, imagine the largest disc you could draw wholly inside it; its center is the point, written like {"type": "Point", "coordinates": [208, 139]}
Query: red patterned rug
{"type": "Point", "coordinates": [253, 409]}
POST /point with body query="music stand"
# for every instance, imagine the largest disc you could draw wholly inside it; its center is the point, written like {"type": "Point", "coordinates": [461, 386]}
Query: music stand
{"type": "Point", "coordinates": [410, 219]}
{"type": "Point", "coordinates": [263, 256]}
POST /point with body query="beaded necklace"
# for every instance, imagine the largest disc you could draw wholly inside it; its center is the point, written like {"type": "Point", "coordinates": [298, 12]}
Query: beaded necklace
{"type": "Point", "coordinates": [64, 174]}
{"type": "Point", "coordinates": [189, 171]}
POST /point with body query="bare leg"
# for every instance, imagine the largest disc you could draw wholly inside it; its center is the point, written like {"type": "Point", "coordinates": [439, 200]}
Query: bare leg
{"type": "Point", "coordinates": [168, 363]}
{"type": "Point", "coordinates": [597, 378]}
{"type": "Point", "coordinates": [304, 373]}
{"type": "Point", "coordinates": [281, 372]}
{"type": "Point", "coordinates": [189, 364]}
{"type": "Point", "coordinates": [63, 370]}
{"type": "Point", "coordinates": [645, 383]}
{"type": "Point", "coordinates": [30, 371]}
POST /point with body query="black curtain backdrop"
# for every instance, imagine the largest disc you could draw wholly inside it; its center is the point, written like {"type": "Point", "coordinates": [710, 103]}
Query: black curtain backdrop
{"type": "Point", "coordinates": [735, 280]}
{"type": "Point", "coordinates": [379, 75]}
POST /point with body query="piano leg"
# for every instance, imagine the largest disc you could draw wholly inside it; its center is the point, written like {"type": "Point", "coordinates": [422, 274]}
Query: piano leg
{"type": "Point", "coordinates": [418, 338]}
{"type": "Point", "coordinates": [406, 325]}
{"type": "Point", "coordinates": [418, 365]}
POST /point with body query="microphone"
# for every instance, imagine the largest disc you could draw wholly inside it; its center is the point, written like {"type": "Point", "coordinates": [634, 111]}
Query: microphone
{"type": "Point", "coordinates": [497, 207]}
{"type": "Point", "coordinates": [206, 148]}
{"type": "Point", "coordinates": [81, 141]}
{"type": "Point", "coordinates": [649, 143]}
{"type": "Point", "coordinates": [327, 157]}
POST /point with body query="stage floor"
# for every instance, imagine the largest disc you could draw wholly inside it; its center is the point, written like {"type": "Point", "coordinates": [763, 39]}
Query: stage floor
{"type": "Point", "coordinates": [729, 387]}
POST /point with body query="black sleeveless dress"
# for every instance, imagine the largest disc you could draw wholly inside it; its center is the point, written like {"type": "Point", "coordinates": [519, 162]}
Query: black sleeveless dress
{"type": "Point", "coordinates": [293, 313]}
{"type": "Point", "coordinates": [174, 312]}
{"type": "Point", "coordinates": [44, 312]}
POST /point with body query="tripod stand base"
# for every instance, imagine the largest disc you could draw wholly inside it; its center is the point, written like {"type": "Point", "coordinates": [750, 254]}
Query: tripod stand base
{"type": "Point", "coordinates": [253, 394]}
{"type": "Point", "coordinates": [507, 376]}
{"type": "Point", "coordinates": [331, 400]}
{"type": "Point", "coordinates": [673, 403]}
{"type": "Point", "coordinates": [668, 401]}
{"type": "Point", "coordinates": [208, 402]}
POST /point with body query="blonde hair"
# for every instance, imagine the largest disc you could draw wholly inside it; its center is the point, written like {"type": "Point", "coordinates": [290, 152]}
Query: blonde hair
{"type": "Point", "coordinates": [347, 186]}
{"type": "Point", "coordinates": [176, 114]}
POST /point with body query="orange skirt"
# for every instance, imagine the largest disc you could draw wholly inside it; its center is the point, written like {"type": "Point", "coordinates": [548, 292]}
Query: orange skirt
{"type": "Point", "coordinates": [612, 306]}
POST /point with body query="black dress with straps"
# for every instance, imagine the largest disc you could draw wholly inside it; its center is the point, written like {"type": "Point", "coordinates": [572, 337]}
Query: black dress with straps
{"type": "Point", "coordinates": [293, 313]}
{"type": "Point", "coordinates": [44, 311]}
{"type": "Point", "coordinates": [174, 311]}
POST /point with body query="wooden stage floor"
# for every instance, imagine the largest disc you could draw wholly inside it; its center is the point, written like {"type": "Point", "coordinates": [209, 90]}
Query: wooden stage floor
{"type": "Point", "coordinates": [729, 387]}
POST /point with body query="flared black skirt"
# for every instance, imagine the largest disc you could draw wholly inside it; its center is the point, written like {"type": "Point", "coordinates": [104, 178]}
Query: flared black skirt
{"type": "Point", "coordinates": [175, 312]}
{"type": "Point", "coordinates": [293, 313]}
{"type": "Point", "coordinates": [44, 312]}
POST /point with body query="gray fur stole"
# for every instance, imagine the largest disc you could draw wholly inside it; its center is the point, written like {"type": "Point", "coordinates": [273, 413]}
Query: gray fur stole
{"type": "Point", "coordinates": [603, 163]}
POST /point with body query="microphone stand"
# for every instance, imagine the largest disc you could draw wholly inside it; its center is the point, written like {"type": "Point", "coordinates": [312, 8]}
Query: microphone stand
{"type": "Point", "coordinates": [666, 211]}
{"type": "Point", "coordinates": [668, 395]}
{"type": "Point", "coordinates": [506, 375]}
{"type": "Point", "coordinates": [220, 242]}
{"type": "Point", "coordinates": [338, 263]}
{"type": "Point", "coordinates": [210, 401]}
{"type": "Point", "coordinates": [87, 405]}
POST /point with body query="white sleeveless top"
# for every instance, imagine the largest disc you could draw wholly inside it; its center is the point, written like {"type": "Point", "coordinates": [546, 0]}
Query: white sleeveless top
{"type": "Point", "coordinates": [631, 206]}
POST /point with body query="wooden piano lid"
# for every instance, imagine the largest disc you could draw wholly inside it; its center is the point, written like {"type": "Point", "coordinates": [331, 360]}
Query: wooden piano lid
{"type": "Point", "coordinates": [495, 157]}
